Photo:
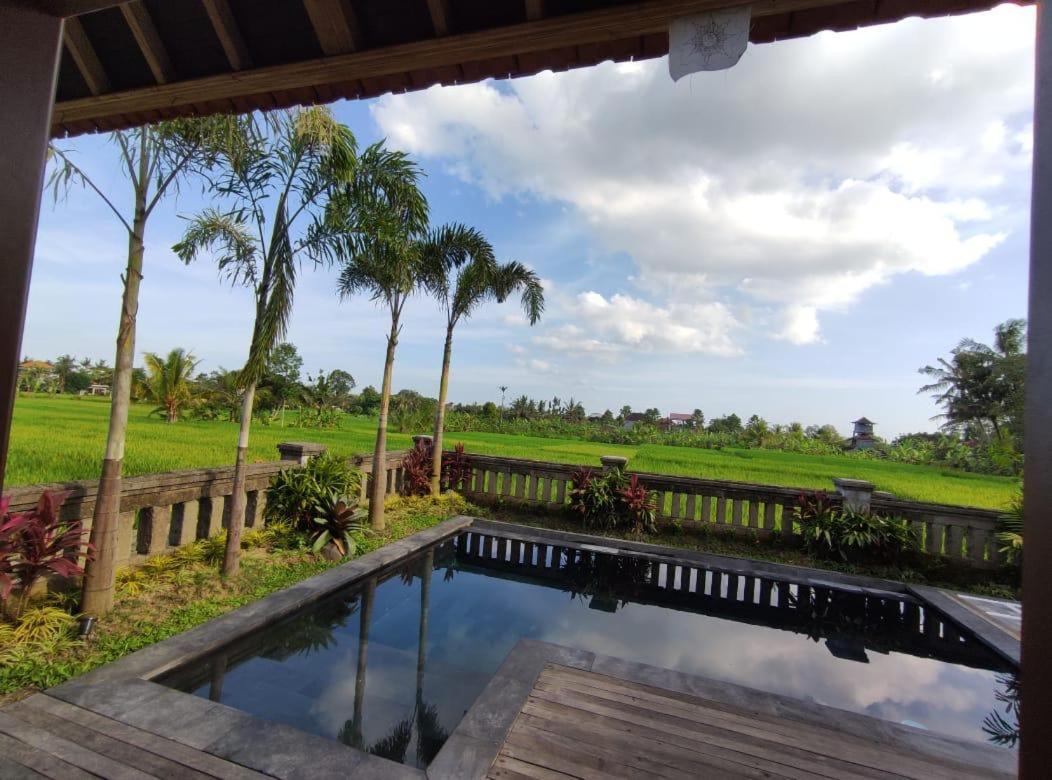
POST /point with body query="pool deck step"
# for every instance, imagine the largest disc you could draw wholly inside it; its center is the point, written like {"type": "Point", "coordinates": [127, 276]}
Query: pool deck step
{"type": "Point", "coordinates": [581, 724]}
{"type": "Point", "coordinates": [45, 737]}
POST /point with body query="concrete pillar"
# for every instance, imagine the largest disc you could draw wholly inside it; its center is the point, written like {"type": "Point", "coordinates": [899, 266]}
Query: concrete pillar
{"type": "Point", "coordinates": [30, 45]}
{"type": "Point", "coordinates": [857, 493]}
{"type": "Point", "coordinates": [299, 451]}
{"type": "Point", "coordinates": [1035, 756]}
{"type": "Point", "coordinates": [257, 502]}
{"type": "Point", "coordinates": [185, 516]}
{"type": "Point", "coordinates": [126, 537]}
{"type": "Point", "coordinates": [157, 522]}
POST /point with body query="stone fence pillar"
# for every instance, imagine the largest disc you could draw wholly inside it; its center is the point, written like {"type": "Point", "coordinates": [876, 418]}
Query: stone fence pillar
{"type": "Point", "coordinates": [299, 451]}
{"type": "Point", "coordinates": [857, 493]}
{"type": "Point", "coordinates": [611, 462]}
{"type": "Point", "coordinates": [423, 438]}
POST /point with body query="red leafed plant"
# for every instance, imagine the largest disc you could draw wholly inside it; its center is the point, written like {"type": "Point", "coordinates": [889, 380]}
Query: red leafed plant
{"type": "Point", "coordinates": [640, 504]}
{"type": "Point", "coordinates": [416, 470]}
{"type": "Point", "coordinates": [36, 542]}
{"type": "Point", "coordinates": [456, 469]}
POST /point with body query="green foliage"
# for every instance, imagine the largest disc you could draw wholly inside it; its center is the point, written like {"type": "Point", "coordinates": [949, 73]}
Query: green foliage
{"type": "Point", "coordinates": [831, 530]}
{"type": "Point", "coordinates": [610, 499]}
{"type": "Point", "coordinates": [169, 382]}
{"type": "Point", "coordinates": [294, 494]}
{"type": "Point", "coordinates": [337, 519]}
{"type": "Point", "coordinates": [981, 387]}
{"type": "Point", "coordinates": [1010, 531]}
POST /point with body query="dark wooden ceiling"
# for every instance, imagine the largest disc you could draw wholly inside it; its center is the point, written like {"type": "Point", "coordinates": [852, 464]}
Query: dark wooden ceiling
{"type": "Point", "coordinates": [147, 60]}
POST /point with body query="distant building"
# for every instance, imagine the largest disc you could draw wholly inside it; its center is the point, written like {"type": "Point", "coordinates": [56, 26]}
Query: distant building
{"type": "Point", "coordinates": [98, 390]}
{"type": "Point", "coordinates": [632, 420]}
{"type": "Point", "coordinates": [862, 438]}
{"type": "Point", "coordinates": [680, 419]}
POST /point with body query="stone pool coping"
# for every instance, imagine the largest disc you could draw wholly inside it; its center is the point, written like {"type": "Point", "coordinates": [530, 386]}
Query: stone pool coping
{"type": "Point", "coordinates": [475, 742]}
{"type": "Point", "coordinates": [124, 689]}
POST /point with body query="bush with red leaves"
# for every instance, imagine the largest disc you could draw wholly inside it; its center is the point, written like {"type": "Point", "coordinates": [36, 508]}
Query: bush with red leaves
{"type": "Point", "coordinates": [36, 542]}
{"type": "Point", "coordinates": [416, 470]}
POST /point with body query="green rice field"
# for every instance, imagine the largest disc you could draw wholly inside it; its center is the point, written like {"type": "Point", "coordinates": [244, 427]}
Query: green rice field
{"type": "Point", "coordinates": [57, 438]}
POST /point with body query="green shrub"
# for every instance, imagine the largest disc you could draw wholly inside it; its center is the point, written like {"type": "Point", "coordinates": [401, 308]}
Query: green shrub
{"type": "Point", "coordinates": [1010, 531]}
{"type": "Point", "coordinates": [831, 530]}
{"type": "Point", "coordinates": [611, 499]}
{"type": "Point", "coordinates": [293, 494]}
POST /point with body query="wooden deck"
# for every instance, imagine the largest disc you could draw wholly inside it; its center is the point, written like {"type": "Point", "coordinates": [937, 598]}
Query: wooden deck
{"type": "Point", "coordinates": [579, 724]}
{"type": "Point", "coordinates": [44, 737]}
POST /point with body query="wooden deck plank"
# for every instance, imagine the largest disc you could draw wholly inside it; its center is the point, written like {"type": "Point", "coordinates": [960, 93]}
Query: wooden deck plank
{"type": "Point", "coordinates": [207, 764]}
{"type": "Point", "coordinates": [43, 763]}
{"type": "Point", "coordinates": [123, 752]}
{"type": "Point", "coordinates": [582, 724]}
{"type": "Point", "coordinates": [51, 738]}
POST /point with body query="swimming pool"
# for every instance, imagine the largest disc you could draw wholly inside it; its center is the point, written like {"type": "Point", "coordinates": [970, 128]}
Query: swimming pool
{"type": "Point", "coordinates": [392, 664]}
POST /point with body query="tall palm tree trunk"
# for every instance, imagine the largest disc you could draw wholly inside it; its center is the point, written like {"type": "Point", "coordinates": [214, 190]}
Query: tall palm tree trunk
{"type": "Point", "coordinates": [232, 554]}
{"type": "Point", "coordinates": [440, 415]}
{"type": "Point", "coordinates": [426, 565]}
{"type": "Point", "coordinates": [99, 572]}
{"type": "Point", "coordinates": [366, 618]}
{"type": "Point", "coordinates": [379, 484]}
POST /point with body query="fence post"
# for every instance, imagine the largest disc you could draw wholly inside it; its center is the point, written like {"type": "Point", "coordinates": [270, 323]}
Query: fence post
{"type": "Point", "coordinates": [857, 493]}
{"type": "Point", "coordinates": [611, 462]}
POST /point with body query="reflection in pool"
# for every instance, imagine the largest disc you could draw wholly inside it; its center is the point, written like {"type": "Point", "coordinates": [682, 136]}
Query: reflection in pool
{"type": "Point", "coordinates": [392, 665]}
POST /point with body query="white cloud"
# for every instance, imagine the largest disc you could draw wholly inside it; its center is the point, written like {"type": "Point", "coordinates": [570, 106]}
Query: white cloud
{"type": "Point", "coordinates": [804, 176]}
{"type": "Point", "coordinates": [620, 323]}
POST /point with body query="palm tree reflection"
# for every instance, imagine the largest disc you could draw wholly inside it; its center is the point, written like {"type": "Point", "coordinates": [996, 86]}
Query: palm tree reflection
{"type": "Point", "coordinates": [424, 720]}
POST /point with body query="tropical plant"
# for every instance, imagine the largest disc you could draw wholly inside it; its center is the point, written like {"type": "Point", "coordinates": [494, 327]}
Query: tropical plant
{"type": "Point", "coordinates": [385, 219]}
{"type": "Point", "coordinates": [301, 159]}
{"type": "Point", "coordinates": [640, 504]}
{"type": "Point", "coordinates": [829, 529]}
{"type": "Point", "coordinates": [1004, 729]}
{"type": "Point", "coordinates": [37, 542]}
{"type": "Point", "coordinates": [416, 470]}
{"type": "Point", "coordinates": [294, 493]}
{"type": "Point", "coordinates": [456, 468]}
{"type": "Point", "coordinates": [155, 158]}
{"type": "Point", "coordinates": [169, 382]}
{"type": "Point", "coordinates": [610, 499]}
{"type": "Point", "coordinates": [981, 387]}
{"type": "Point", "coordinates": [1010, 531]}
{"type": "Point", "coordinates": [461, 272]}
{"type": "Point", "coordinates": [337, 520]}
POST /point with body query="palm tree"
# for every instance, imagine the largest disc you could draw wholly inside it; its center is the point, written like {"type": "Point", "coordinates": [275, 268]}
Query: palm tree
{"type": "Point", "coordinates": [303, 158]}
{"type": "Point", "coordinates": [461, 272]}
{"type": "Point", "coordinates": [382, 257]}
{"type": "Point", "coordinates": [168, 381]}
{"type": "Point", "coordinates": [154, 158]}
{"type": "Point", "coordinates": [64, 366]}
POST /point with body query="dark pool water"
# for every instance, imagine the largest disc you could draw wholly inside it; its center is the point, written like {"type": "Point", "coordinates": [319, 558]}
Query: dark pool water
{"type": "Point", "coordinates": [392, 666]}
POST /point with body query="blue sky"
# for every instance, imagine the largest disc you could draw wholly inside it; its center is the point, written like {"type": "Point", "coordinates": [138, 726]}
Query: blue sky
{"type": "Point", "coordinates": [793, 237]}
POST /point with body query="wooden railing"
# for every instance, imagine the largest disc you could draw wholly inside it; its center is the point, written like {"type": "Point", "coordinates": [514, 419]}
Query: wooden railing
{"type": "Point", "coordinates": [965, 535]}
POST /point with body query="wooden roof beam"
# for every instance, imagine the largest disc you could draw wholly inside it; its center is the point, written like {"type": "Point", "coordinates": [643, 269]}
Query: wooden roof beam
{"type": "Point", "coordinates": [552, 32]}
{"type": "Point", "coordinates": [229, 33]}
{"type": "Point", "coordinates": [83, 54]}
{"type": "Point", "coordinates": [150, 43]}
{"type": "Point", "coordinates": [335, 24]}
{"type": "Point", "coordinates": [439, 16]}
{"type": "Point", "coordinates": [534, 10]}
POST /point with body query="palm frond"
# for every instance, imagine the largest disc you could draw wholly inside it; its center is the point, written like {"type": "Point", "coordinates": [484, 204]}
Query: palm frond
{"type": "Point", "coordinates": [228, 237]}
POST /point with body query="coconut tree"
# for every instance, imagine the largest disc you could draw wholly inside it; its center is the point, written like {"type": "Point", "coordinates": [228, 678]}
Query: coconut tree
{"type": "Point", "coordinates": [276, 178]}
{"type": "Point", "coordinates": [169, 381]}
{"type": "Point", "coordinates": [154, 159]}
{"type": "Point", "coordinates": [383, 258]}
{"type": "Point", "coordinates": [461, 273]}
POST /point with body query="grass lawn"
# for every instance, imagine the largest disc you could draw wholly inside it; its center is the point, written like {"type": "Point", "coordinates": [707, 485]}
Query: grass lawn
{"type": "Point", "coordinates": [62, 438]}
